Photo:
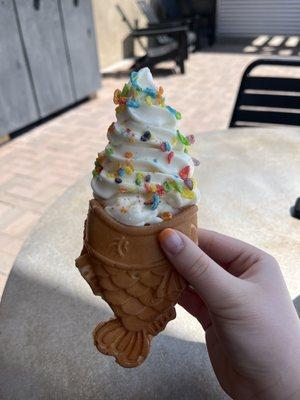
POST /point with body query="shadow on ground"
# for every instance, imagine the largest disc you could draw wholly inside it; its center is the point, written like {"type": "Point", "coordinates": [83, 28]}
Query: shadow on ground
{"type": "Point", "coordinates": [262, 45]}
{"type": "Point", "coordinates": [47, 352]}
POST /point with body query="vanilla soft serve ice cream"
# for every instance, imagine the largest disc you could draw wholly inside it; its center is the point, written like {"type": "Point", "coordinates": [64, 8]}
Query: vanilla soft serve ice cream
{"type": "Point", "coordinates": [145, 174]}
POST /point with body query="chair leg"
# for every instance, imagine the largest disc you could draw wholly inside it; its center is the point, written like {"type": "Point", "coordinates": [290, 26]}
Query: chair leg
{"type": "Point", "coordinates": [181, 65]}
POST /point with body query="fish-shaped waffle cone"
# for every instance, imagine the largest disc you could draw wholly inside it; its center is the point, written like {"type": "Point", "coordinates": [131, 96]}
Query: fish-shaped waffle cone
{"type": "Point", "coordinates": [126, 267]}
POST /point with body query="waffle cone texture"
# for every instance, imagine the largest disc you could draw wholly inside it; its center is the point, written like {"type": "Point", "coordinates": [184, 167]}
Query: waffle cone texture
{"type": "Point", "coordinates": [127, 268]}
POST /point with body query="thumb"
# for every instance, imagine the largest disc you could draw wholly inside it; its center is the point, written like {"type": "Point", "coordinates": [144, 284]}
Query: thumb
{"type": "Point", "coordinates": [211, 281]}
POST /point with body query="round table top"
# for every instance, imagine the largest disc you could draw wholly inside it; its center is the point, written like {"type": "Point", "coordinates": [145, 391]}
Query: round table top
{"type": "Point", "coordinates": [249, 179]}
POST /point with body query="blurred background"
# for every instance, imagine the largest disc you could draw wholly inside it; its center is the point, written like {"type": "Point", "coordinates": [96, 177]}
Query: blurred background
{"type": "Point", "coordinates": [62, 59]}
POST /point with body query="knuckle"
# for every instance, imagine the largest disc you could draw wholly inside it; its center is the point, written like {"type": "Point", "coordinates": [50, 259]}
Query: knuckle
{"type": "Point", "coordinates": [269, 261]}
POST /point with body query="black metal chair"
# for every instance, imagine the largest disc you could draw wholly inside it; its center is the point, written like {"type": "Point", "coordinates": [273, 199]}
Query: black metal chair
{"type": "Point", "coordinates": [172, 46]}
{"type": "Point", "coordinates": [176, 50]}
{"type": "Point", "coordinates": [155, 22]}
{"type": "Point", "coordinates": [203, 16]}
{"type": "Point", "coordinates": [268, 100]}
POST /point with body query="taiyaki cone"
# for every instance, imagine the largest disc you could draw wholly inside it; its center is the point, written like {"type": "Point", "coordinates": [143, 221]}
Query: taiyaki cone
{"type": "Point", "coordinates": [127, 268]}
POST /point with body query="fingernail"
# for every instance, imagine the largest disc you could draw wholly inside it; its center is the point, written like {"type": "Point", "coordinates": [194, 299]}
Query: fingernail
{"type": "Point", "coordinates": [171, 241]}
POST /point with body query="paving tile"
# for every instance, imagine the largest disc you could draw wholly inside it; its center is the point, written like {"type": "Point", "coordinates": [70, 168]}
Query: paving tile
{"type": "Point", "coordinates": [21, 203]}
{"type": "Point", "coordinates": [21, 226]}
{"type": "Point", "coordinates": [3, 279]}
{"type": "Point", "coordinates": [8, 214]}
{"type": "Point", "coordinates": [10, 244]}
{"type": "Point", "coordinates": [6, 262]}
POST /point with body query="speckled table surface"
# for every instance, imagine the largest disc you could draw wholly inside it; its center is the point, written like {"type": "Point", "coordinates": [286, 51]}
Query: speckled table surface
{"type": "Point", "coordinates": [249, 179]}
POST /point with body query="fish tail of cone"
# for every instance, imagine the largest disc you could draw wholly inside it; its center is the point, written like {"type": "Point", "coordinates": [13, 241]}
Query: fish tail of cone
{"type": "Point", "coordinates": [130, 348]}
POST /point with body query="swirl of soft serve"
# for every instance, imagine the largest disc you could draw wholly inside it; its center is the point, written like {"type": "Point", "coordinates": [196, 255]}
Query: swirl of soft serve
{"type": "Point", "coordinates": [144, 176]}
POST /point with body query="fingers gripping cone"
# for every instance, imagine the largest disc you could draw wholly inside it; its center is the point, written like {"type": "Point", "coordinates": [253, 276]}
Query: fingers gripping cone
{"type": "Point", "coordinates": [126, 267]}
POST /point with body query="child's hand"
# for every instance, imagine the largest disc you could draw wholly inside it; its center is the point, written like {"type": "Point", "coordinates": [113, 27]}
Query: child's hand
{"type": "Point", "coordinates": [241, 300]}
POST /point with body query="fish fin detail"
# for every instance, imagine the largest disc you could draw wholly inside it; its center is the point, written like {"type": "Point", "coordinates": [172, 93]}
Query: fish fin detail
{"type": "Point", "coordinates": [160, 324]}
{"type": "Point", "coordinates": [130, 348]}
{"type": "Point", "coordinates": [83, 263]}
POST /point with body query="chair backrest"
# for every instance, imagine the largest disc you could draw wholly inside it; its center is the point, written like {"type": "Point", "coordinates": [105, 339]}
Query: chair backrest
{"type": "Point", "coordinates": [191, 8]}
{"type": "Point", "coordinates": [150, 14]}
{"type": "Point", "coordinates": [148, 10]}
{"type": "Point", "coordinates": [128, 23]}
{"type": "Point", "coordinates": [268, 100]}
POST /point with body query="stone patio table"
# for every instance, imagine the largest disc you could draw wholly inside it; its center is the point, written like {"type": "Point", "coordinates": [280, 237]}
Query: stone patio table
{"type": "Point", "coordinates": [249, 180]}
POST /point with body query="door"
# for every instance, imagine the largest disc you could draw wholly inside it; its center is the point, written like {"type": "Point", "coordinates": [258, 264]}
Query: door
{"type": "Point", "coordinates": [41, 30]}
{"type": "Point", "coordinates": [17, 104]}
{"type": "Point", "coordinates": [77, 19]}
{"type": "Point", "coordinates": [242, 18]}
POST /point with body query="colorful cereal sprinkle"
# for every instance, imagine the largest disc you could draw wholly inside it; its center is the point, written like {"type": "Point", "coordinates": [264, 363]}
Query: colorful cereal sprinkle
{"type": "Point", "coordinates": [109, 151]}
{"type": "Point", "coordinates": [122, 101]}
{"type": "Point", "coordinates": [150, 92]}
{"type": "Point", "coordinates": [129, 170]}
{"type": "Point", "coordinates": [118, 180]}
{"type": "Point", "coordinates": [191, 139]}
{"type": "Point", "coordinates": [133, 80]}
{"type": "Point", "coordinates": [128, 154]}
{"type": "Point", "coordinates": [188, 194]}
{"type": "Point", "coordinates": [170, 157]}
{"type": "Point", "coordinates": [139, 179]}
{"type": "Point", "coordinates": [177, 186]}
{"type": "Point", "coordinates": [148, 202]}
{"type": "Point", "coordinates": [126, 90]}
{"type": "Point", "coordinates": [160, 99]}
{"type": "Point", "coordinates": [132, 103]}
{"type": "Point", "coordinates": [148, 187]}
{"type": "Point", "coordinates": [148, 100]}
{"type": "Point", "coordinates": [167, 186]}
{"type": "Point", "coordinates": [184, 172]}
{"type": "Point", "coordinates": [160, 91]}
{"type": "Point", "coordinates": [171, 110]}
{"type": "Point", "coordinates": [155, 202]}
{"type": "Point", "coordinates": [116, 97]}
{"type": "Point", "coordinates": [160, 190]}
{"type": "Point", "coordinates": [165, 146]}
{"type": "Point", "coordinates": [189, 183]}
{"type": "Point", "coordinates": [196, 162]}
{"type": "Point", "coordinates": [146, 136]}
{"type": "Point", "coordinates": [121, 172]}
{"type": "Point", "coordinates": [166, 216]}
{"type": "Point", "coordinates": [182, 138]}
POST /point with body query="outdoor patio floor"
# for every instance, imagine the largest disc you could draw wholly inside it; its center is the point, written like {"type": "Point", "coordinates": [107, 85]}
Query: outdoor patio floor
{"type": "Point", "coordinates": [37, 167]}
